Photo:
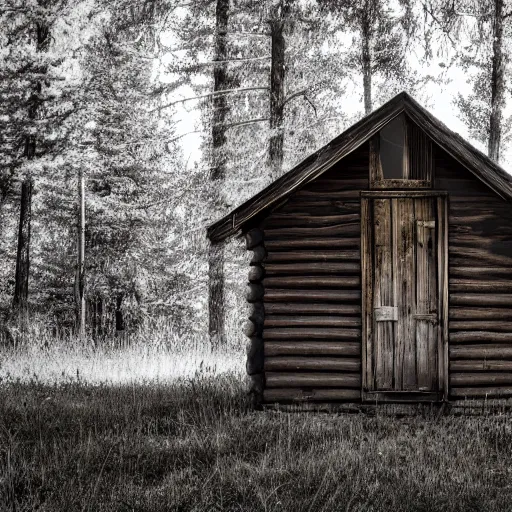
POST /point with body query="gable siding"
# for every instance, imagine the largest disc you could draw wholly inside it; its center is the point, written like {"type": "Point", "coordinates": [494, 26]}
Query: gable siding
{"type": "Point", "coordinates": [480, 283]}
{"type": "Point", "coordinates": [312, 284]}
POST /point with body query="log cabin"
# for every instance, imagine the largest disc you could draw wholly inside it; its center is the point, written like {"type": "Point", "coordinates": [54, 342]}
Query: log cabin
{"type": "Point", "coordinates": [381, 269]}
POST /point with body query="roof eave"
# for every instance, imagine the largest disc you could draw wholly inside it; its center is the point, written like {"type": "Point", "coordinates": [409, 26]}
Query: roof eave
{"type": "Point", "coordinates": [478, 163]}
{"type": "Point", "coordinates": [349, 140]}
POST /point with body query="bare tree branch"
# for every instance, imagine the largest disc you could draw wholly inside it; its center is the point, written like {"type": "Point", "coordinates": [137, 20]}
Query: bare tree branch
{"type": "Point", "coordinates": [200, 65]}
{"type": "Point", "coordinates": [192, 46]}
{"type": "Point", "coordinates": [471, 14]}
{"type": "Point", "coordinates": [230, 125]}
{"type": "Point", "coordinates": [210, 94]}
{"type": "Point", "coordinates": [256, 34]}
{"type": "Point", "coordinates": [250, 121]}
{"type": "Point", "coordinates": [302, 93]}
{"type": "Point", "coordinates": [439, 23]}
{"type": "Point", "coordinates": [215, 62]}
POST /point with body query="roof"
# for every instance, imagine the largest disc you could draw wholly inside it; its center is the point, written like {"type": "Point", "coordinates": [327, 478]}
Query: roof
{"type": "Point", "coordinates": [316, 164]}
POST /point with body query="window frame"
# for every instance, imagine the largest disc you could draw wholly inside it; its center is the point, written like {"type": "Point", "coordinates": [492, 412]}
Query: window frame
{"type": "Point", "coordinates": [377, 180]}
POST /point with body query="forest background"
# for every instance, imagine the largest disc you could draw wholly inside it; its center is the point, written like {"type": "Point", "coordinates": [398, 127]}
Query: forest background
{"type": "Point", "coordinates": [126, 128]}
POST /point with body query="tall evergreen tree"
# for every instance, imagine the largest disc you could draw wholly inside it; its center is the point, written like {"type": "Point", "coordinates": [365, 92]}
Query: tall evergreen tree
{"type": "Point", "coordinates": [34, 107]}
{"type": "Point", "coordinates": [41, 34]}
{"type": "Point", "coordinates": [126, 182]}
{"type": "Point", "coordinates": [379, 47]}
{"type": "Point", "coordinates": [477, 31]}
{"type": "Point", "coordinates": [497, 81]}
{"type": "Point", "coordinates": [279, 18]}
{"type": "Point", "coordinates": [221, 82]}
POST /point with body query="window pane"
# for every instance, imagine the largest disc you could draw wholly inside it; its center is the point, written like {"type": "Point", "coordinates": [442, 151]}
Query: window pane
{"type": "Point", "coordinates": [392, 142]}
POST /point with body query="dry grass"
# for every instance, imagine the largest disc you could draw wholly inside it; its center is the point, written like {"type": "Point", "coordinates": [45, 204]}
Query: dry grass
{"type": "Point", "coordinates": [192, 443]}
{"type": "Point", "coordinates": [195, 445]}
{"type": "Point", "coordinates": [153, 355]}
{"type": "Point", "coordinates": [132, 364]}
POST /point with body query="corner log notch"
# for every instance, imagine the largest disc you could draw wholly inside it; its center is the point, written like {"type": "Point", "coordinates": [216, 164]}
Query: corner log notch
{"type": "Point", "coordinates": [254, 327]}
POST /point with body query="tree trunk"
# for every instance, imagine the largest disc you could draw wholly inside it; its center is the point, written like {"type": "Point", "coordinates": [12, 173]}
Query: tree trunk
{"type": "Point", "coordinates": [98, 319]}
{"type": "Point", "coordinates": [119, 313]}
{"type": "Point", "coordinates": [497, 84]}
{"type": "Point", "coordinates": [277, 77]}
{"type": "Point", "coordinates": [217, 294]}
{"type": "Point", "coordinates": [20, 301]}
{"type": "Point", "coordinates": [80, 271]}
{"type": "Point", "coordinates": [366, 57]}
{"type": "Point", "coordinates": [5, 189]}
{"type": "Point", "coordinates": [216, 299]}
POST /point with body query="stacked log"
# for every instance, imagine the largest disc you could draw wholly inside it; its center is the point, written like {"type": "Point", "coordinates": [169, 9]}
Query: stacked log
{"type": "Point", "coordinates": [254, 328]}
{"type": "Point", "coordinates": [480, 285]}
{"type": "Point", "coordinates": [312, 289]}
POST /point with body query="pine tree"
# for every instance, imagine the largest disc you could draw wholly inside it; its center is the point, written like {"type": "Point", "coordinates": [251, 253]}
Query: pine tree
{"type": "Point", "coordinates": [221, 82]}
{"type": "Point", "coordinates": [126, 177]}
{"type": "Point", "coordinates": [479, 43]}
{"type": "Point", "coordinates": [34, 108]}
{"type": "Point", "coordinates": [279, 17]}
{"type": "Point", "coordinates": [378, 50]}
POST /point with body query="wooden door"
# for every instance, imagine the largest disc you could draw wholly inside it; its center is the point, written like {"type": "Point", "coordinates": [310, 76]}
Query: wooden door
{"type": "Point", "coordinates": [405, 265]}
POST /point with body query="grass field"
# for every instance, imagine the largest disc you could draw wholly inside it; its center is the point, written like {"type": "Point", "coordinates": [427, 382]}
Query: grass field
{"type": "Point", "coordinates": [192, 443]}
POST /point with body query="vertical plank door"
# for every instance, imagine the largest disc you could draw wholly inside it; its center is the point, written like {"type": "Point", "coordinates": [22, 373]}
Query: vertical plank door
{"type": "Point", "coordinates": [384, 311]}
{"type": "Point", "coordinates": [402, 345]}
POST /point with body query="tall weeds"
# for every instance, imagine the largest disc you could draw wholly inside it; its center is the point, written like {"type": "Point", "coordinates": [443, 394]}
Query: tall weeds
{"type": "Point", "coordinates": [155, 353]}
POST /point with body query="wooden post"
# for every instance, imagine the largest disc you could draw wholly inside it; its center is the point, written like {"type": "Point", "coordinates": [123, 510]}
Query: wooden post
{"type": "Point", "coordinates": [367, 299]}
{"type": "Point", "coordinates": [443, 292]}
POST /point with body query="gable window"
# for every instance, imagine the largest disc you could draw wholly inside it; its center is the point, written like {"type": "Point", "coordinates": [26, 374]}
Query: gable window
{"type": "Point", "coordinates": [392, 149]}
{"type": "Point", "coordinates": [401, 156]}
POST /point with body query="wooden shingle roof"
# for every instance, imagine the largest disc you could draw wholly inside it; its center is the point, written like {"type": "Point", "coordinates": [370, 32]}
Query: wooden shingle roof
{"type": "Point", "coordinates": [316, 164]}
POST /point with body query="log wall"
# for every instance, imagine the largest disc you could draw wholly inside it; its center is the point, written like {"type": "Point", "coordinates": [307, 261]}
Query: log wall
{"type": "Point", "coordinates": [305, 287]}
{"type": "Point", "coordinates": [254, 327]}
{"type": "Point", "coordinates": [311, 289]}
{"type": "Point", "coordinates": [480, 284]}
